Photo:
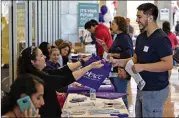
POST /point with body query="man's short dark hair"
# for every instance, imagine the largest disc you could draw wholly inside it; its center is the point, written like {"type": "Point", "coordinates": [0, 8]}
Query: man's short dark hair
{"type": "Point", "coordinates": [90, 23]}
{"type": "Point", "coordinates": [149, 9]}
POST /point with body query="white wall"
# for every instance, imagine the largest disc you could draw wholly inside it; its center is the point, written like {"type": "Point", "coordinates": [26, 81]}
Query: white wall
{"type": "Point", "coordinates": [69, 20]}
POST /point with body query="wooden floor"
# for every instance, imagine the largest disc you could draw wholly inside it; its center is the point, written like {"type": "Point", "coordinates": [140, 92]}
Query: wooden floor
{"type": "Point", "coordinates": [172, 103]}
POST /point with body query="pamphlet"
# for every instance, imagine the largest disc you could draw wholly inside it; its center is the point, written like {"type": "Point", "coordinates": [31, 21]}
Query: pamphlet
{"type": "Point", "coordinates": [138, 79]}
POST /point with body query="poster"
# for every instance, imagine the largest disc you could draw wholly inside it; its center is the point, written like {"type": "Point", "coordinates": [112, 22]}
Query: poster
{"type": "Point", "coordinates": [164, 14]}
{"type": "Point", "coordinates": [86, 12]}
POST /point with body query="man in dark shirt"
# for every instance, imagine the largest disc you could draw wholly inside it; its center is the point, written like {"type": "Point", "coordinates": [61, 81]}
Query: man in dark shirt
{"type": "Point", "coordinates": [153, 59]}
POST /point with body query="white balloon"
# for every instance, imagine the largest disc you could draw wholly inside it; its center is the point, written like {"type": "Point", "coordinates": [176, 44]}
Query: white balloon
{"type": "Point", "coordinates": [107, 17]}
{"type": "Point", "coordinates": [107, 24]}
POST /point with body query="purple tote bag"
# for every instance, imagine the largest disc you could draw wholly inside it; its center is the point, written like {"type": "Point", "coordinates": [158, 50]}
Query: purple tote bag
{"type": "Point", "coordinates": [95, 77]}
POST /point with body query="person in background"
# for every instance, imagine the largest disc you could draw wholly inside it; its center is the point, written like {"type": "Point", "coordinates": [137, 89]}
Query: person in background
{"type": "Point", "coordinates": [102, 33]}
{"type": "Point", "coordinates": [83, 36]}
{"type": "Point", "coordinates": [173, 39]}
{"type": "Point", "coordinates": [58, 42]}
{"type": "Point", "coordinates": [130, 27]}
{"type": "Point", "coordinates": [177, 12]}
{"type": "Point", "coordinates": [45, 48]}
{"type": "Point", "coordinates": [24, 85]}
{"type": "Point", "coordinates": [152, 60]}
{"type": "Point", "coordinates": [65, 51]}
{"type": "Point", "coordinates": [177, 28]}
{"type": "Point", "coordinates": [31, 60]}
{"type": "Point", "coordinates": [71, 46]}
{"type": "Point", "coordinates": [69, 43]}
{"type": "Point", "coordinates": [166, 28]}
{"type": "Point", "coordinates": [121, 48]}
{"type": "Point", "coordinates": [52, 63]}
{"type": "Point", "coordinates": [174, 8]}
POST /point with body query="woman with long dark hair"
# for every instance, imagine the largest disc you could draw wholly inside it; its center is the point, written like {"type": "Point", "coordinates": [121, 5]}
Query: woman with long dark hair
{"type": "Point", "coordinates": [45, 48]}
{"type": "Point", "coordinates": [32, 61]}
{"type": "Point", "coordinates": [24, 85]}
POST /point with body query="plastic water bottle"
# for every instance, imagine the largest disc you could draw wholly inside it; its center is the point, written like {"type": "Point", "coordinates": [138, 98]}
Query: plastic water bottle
{"type": "Point", "coordinates": [92, 94]}
{"type": "Point", "coordinates": [66, 114]}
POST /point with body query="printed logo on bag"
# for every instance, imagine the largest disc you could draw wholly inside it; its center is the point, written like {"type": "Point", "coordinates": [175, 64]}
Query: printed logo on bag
{"type": "Point", "coordinates": [93, 76]}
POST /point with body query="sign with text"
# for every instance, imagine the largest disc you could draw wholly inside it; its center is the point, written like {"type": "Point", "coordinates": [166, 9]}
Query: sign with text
{"type": "Point", "coordinates": [86, 12]}
{"type": "Point", "coordinates": [164, 14]}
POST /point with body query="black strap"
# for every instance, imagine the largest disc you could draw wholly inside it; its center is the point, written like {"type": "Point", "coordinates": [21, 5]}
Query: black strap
{"type": "Point", "coordinates": [176, 56]}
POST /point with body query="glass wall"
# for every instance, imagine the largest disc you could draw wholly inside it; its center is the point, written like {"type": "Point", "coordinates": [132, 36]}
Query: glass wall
{"type": "Point", "coordinates": [20, 25]}
{"type": "Point", "coordinates": [26, 23]}
{"type": "Point", "coordinates": [5, 45]}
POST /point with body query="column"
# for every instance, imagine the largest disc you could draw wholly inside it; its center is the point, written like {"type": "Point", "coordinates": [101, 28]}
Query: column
{"type": "Point", "coordinates": [162, 5]}
{"type": "Point", "coordinates": [122, 8]}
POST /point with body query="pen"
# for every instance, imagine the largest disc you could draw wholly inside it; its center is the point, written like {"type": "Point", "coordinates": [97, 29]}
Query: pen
{"type": "Point", "coordinates": [120, 115]}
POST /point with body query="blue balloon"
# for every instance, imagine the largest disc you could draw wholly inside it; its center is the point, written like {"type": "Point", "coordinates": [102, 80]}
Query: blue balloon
{"type": "Point", "coordinates": [104, 9]}
{"type": "Point", "coordinates": [101, 17]}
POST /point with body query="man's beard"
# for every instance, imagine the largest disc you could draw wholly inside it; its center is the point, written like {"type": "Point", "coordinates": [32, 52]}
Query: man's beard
{"type": "Point", "coordinates": [144, 26]}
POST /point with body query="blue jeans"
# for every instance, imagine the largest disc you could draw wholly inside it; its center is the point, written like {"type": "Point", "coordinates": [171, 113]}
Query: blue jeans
{"type": "Point", "coordinates": [174, 63]}
{"type": "Point", "coordinates": [120, 86]}
{"type": "Point", "coordinates": [150, 103]}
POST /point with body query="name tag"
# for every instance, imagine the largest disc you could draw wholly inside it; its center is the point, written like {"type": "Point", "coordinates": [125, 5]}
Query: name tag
{"type": "Point", "coordinates": [146, 48]}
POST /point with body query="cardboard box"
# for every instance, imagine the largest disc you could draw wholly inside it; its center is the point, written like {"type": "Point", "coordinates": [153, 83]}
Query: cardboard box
{"type": "Point", "coordinates": [79, 49]}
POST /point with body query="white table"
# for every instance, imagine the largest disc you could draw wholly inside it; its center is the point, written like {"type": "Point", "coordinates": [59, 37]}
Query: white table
{"type": "Point", "coordinates": [91, 105]}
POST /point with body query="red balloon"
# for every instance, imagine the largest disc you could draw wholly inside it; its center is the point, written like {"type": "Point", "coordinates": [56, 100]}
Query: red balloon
{"type": "Point", "coordinates": [115, 4]}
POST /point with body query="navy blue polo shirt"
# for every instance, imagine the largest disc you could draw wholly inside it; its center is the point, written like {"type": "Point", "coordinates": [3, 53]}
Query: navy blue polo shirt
{"type": "Point", "coordinates": [122, 45]}
{"type": "Point", "coordinates": [150, 50]}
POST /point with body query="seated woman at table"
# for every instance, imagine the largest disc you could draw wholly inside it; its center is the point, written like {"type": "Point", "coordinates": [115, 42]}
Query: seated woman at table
{"type": "Point", "coordinates": [31, 60]}
{"type": "Point", "coordinates": [52, 63]}
{"type": "Point", "coordinates": [23, 85]}
{"type": "Point", "coordinates": [65, 51]}
{"type": "Point", "coordinates": [69, 43]}
{"type": "Point", "coordinates": [58, 42]}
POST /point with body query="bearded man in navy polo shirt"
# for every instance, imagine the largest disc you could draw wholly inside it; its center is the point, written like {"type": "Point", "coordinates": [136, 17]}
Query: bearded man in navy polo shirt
{"type": "Point", "coordinates": [153, 59]}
